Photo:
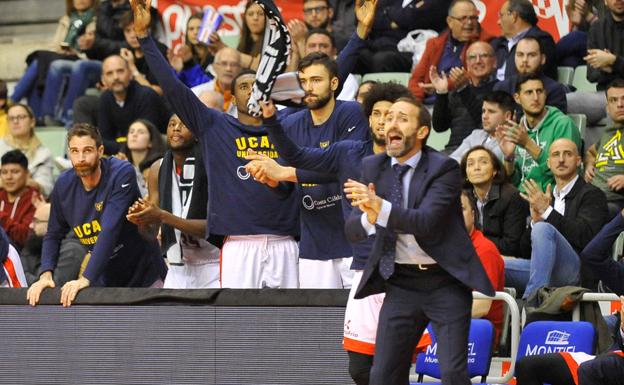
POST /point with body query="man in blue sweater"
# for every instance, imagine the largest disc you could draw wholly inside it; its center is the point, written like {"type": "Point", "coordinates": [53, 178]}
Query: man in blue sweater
{"type": "Point", "coordinates": [260, 250]}
{"type": "Point", "coordinates": [92, 200]}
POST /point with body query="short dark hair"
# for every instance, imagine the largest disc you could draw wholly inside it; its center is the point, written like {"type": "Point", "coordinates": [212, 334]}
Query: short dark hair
{"type": "Point", "coordinates": [15, 157]}
{"type": "Point", "coordinates": [424, 117]}
{"type": "Point", "coordinates": [473, 205]}
{"type": "Point", "coordinates": [322, 59]}
{"type": "Point", "coordinates": [3, 89]}
{"type": "Point", "coordinates": [615, 83]}
{"type": "Point", "coordinates": [503, 99]}
{"type": "Point", "coordinates": [500, 176]}
{"type": "Point", "coordinates": [245, 71]}
{"type": "Point", "coordinates": [321, 31]}
{"type": "Point", "coordinates": [382, 91]}
{"type": "Point", "coordinates": [524, 9]}
{"type": "Point", "coordinates": [126, 19]}
{"type": "Point", "coordinates": [85, 129]}
{"type": "Point", "coordinates": [525, 78]}
{"type": "Point", "coordinates": [533, 38]}
{"type": "Point", "coordinates": [326, 2]}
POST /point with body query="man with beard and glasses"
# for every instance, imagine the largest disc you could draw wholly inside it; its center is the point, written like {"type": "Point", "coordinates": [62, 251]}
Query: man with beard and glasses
{"type": "Point", "coordinates": [341, 160]}
{"type": "Point", "coordinates": [71, 252]}
{"type": "Point", "coordinates": [125, 101]}
{"type": "Point", "coordinates": [525, 145]}
{"type": "Point", "coordinates": [260, 225]}
{"type": "Point", "coordinates": [177, 204]}
{"type": "Point", "coordinates": [422, 257]}
{"type": "Point", "coordinates": [324, 254]}
{"type": "Point", "coordinates": [92, 199]}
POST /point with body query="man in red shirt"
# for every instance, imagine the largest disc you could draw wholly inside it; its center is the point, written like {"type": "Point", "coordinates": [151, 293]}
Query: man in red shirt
{"type": "Point", "coordinates": [16, 198]}
{"type": "Point", "coordinates": [492, 263]}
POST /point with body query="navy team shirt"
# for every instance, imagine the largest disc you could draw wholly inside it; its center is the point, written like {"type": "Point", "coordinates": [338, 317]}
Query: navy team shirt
{"type": "Point", "coordinates": [120, 256]}
{"type": "Point", "coordinates": [238, 205]}
{"type": "Point", "coordinates": [341, 160]}
{"type": "Point", "coordinates": [321, 219]}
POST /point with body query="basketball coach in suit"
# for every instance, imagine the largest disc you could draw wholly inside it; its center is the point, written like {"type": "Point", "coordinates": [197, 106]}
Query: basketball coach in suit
{"type": "Point", "coordinates": [422, 257]}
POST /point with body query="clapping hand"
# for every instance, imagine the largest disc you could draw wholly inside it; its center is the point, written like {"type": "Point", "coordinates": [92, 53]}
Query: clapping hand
{"type": "Point", "coordinates": [364, 197]}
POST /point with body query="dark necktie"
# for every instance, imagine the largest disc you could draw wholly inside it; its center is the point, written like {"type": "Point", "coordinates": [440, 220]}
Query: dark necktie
{"type": "Point", "coordinates": [386, 264]}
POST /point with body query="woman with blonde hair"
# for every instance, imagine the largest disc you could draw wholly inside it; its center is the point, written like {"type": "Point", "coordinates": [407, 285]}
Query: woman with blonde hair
{"type": "Point", "coordinates": [21, 136]}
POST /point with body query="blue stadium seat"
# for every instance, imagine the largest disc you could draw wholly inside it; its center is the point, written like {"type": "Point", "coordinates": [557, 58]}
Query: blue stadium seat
{"type": "Point", "coordinates": [480, 344]}
{"type": "Point", "coordinates": [541, 337]}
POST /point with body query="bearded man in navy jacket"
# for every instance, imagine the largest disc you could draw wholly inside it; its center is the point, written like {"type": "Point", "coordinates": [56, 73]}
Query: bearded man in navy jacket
{"type": "Point", "coordinates": [422, 258]}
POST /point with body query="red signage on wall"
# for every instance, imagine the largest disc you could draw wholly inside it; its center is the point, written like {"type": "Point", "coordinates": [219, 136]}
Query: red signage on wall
{"type": "Point", "coordinates": [175, 13]}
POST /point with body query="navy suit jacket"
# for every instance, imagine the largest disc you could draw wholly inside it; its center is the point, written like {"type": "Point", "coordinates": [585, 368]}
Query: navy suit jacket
{"type": "Point", "coordinates": [433, 216]}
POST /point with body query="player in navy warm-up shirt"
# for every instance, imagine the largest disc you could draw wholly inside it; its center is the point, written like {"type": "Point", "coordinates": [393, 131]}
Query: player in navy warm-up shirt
{"type": "Point", "coordinates": [260, 250]}
{"type": "Point", "coordinates": [92, 200]}
{"type": "Point", "coordinates": [342, 161]}
{"type": "Point", "coordinates": [324, 252]}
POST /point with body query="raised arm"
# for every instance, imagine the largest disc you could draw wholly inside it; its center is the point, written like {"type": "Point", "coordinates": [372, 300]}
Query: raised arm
{"type": "Point", "coordinates": [195, 115]}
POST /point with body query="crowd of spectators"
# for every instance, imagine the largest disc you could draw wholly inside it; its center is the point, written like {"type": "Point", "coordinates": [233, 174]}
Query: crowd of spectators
{"type": "Point", "coordinates": [534, 187]}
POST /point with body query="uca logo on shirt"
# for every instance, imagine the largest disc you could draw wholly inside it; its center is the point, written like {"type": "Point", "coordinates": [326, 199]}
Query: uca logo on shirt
{"type": "Point", "coordinates": [99, 206]}
{"type": "Point", "coordinates": [324, 144]}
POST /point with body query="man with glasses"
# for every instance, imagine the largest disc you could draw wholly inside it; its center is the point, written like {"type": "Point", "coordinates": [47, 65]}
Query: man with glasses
{"type": "Point", "coordinates": [517, 19]}
{"type": "Point", "coordinates": [447, 52]}
{"type": "Point", "coordinates": [529, 59]}
{"type": "Point", "coordinates": [460, 110]}
{"type": "Point", "coordinates": [226, 67]}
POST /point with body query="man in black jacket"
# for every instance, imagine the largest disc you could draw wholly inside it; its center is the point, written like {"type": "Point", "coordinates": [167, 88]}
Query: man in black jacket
{"type": "Point", "coordinates": [517, 19]}
{"type": "Point", "coordinates": [562, 224]}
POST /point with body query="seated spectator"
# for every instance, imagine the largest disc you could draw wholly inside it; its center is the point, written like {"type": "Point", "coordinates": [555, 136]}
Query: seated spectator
{"type": "Point", "coordinates": [529, 60]}
{"type": "Point", "coordinates": [125, 101]}
{"type": "Point", "coordinates": [78, 14]}
{"type": "Point", "coordinates": [502, 214]}
{"type": "Point", "coordinates": [227, 65]}
{"type": "Point", "coordinates": [448, 50]}
{"type": "Point", "coordinates": [21, 136]}
{"type": "Point", "coordinates": [605, 63]}
{"type": "Point", "coordinates": [132, 53]}
{"type": "Point", "coordinates": [16, 197]}
{"type": "Point", "coordinates": [517, 19]}
{"type": "Point", "coordinates": [4, 108]}
{"type": "Point", "coordinates": [251, 37]}
{"type": "Point", "coordinates": [76, 75]}
{"type": "Point", "coordinates": [394, 19]}
{"type": "Point", "coordinates": [572, 47]}
{"type": "Point", "coordinates": [11, 271]}
{"type": "Point", "coordinates": [492, 263]}
{"type": "Point", "coordinates": [212, 99]}
{"type": "Point", "coordinates": [192, 59]}
{"type": "Point", "coordinates": [143, 142]}
{"type": "Point", "coordinates": [497, 109]}
{"type": "Point", "coordinates": [363, 89]}
{"type": "Point", "coordinates": [603, 160]}
{"type": "Point", "coordinates": [71, 253]}
{"type": "Point", "coordinates": [460, 110]}
{"type": "Point", "coordinates": [562, 224]}
{"type": "Point", "coordinates": [525, 145]}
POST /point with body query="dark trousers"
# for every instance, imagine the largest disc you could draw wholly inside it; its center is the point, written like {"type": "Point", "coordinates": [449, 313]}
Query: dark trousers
{"type": "Point", "coordinates": [545, 368]}
{"type": "Point", "coordinates": [413, 298]}
{"type": "Point", "coordinates": [607, 369]}
{"type": "Point", "coordinates": [359, 367]}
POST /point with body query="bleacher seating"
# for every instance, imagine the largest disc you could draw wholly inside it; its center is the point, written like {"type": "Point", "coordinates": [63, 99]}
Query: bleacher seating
{"type": "Point", "coordinates": [397, 77]}
{"type": "Point", "coordinates": [480, 341]}
{"type": "Point", "coordinates": [541, 337]}
{"type": "Point", "coordinates": [565, 75]}
{"type": "Point", "coordinates": [580, 81]}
